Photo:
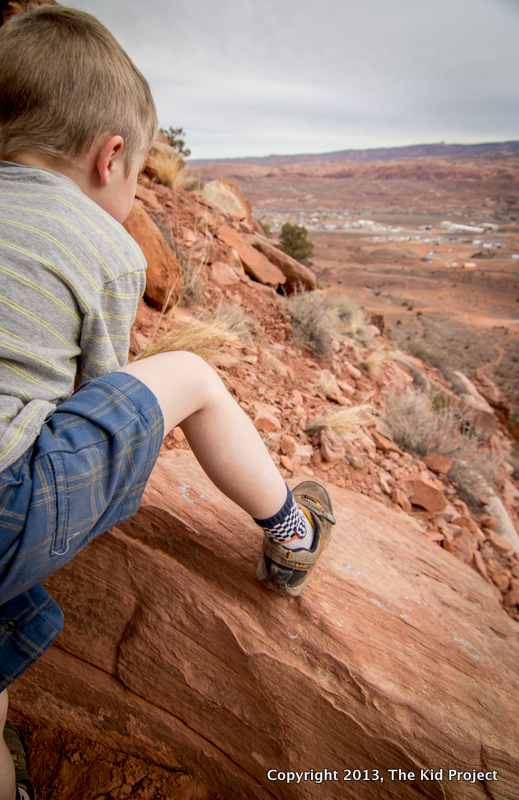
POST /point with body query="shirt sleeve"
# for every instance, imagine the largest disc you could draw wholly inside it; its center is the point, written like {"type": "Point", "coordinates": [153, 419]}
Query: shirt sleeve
{"type": "Point", "coordinates": [105, 331]}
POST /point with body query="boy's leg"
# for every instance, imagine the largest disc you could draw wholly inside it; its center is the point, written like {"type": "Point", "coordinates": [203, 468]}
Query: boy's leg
{"type": "Point", "coordinates": [222, 437]}
{"type": "Point", "coordinates": [231, 452]}
{"type": "Point", "coordinates": [7, 776]}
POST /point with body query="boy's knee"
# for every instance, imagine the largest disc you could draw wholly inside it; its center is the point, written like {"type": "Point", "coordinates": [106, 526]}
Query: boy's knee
{"type": "Point", "coordinates": [203, 379]}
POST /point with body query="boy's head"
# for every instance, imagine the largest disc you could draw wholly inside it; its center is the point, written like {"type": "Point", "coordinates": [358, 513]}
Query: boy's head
{"type": "Point", "coordinates": [65, 81]}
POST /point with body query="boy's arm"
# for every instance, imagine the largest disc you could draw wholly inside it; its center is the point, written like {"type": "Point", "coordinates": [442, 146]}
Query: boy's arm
{"type": "Point", "coordinates": [105, 330]}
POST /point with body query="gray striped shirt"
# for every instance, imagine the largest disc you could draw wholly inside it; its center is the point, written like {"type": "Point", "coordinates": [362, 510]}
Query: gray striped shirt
{"type": "Point", "coordinates": [70, 281]}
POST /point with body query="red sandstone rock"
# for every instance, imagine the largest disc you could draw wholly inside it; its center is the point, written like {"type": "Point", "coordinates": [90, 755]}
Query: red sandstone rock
{"type": "Point", "coordinates": [424, 494]}
{"type": "Point", "coordinates": [163, 275]}
{"type": "Point", "coordinates": [297, 275]}
{"type": "Point", "coordinates": [462, 545]}
{"type": "Point", "coordinates": [384, 444]}
{"type": "Point", "coordinates": [287, 445]}
{"type": "Point", "coordinates": [229, 198]}
{"type": "Point", "coordinates": [500, 545]}
{"type": "Point", "coordinates": [399, 497]}
{"type": "Point", "coordinates": [438, 463]}
{"type": "Point", "coordinates": [223, 274]}
{"type": "Point", "coordinates": [332, 445]}
{"type": "Point", "coordinates": [265, 418]}
{"type": "Point", "coordinates": [254, 262]}
{"type": "Point", "coordinates": [287, 463]}
{"type": "Point", "coordinates": [511, 598]}
{"type": "Point", "coordinates": [173, 652]}
{"type": "Point", "coordinates": [353, 371]}
{"type": "Point", "coordinates": [480, 565]}
{"type": "Point", "coordinates": [149, 197]}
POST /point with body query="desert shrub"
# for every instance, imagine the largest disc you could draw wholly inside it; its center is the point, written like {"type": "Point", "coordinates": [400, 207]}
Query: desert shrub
{"type": "Point", "coordinates": [295, 243]}
{"type": "Point", "coordinates": [430, 354]}
{"type": "Point", "coordinates": [349, 312]}
{"type": "Point", "coordinates": [313, 322]}
{"type": "Point", "coordinates": [422, 423]}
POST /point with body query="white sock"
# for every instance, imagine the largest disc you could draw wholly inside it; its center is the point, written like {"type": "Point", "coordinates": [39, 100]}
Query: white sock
{"type": "Point", "coordinates": [308, 539]}
{"type": "Point", "coordinates": [291, 526]}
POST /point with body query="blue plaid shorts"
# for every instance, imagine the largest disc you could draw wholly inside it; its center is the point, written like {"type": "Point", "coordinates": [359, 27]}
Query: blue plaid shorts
{"type": "Point", "coordinates": [85, 473]}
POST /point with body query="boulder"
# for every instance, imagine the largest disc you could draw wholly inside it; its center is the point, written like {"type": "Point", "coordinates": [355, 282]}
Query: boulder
{"type": "Point", "coordinates": [255, 263]}
{"type": "Point", "coordinates": [163, 274]}
{"type": "Point", "coordinates": [397, 660]}
{"type": "Point", "coordinates": [503, 522]}
{"type": "Point", "coordinates": [229, 198]}
{"type": "Point", "coordinates": [223, 274]}
{"type": "Point", "coordinates": [297, 275]}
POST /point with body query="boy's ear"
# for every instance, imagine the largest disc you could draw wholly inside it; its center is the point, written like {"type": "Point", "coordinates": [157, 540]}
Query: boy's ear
{"type": "Point", "coordinates": [108, 156]}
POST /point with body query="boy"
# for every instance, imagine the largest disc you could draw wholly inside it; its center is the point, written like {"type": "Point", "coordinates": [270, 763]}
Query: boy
{"type": "Point", "coordinates": [76, 120]}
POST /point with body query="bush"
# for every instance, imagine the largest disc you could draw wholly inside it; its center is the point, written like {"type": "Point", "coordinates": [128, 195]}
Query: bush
{"type": "Point", "coordinates": [295, 243]}
{"type": "Point", "coordinates": [173, 136]}
{"type": "Point", "coordinates": [349, 313]}
{"type": "Point", "coordinates": [430, 354]}
{"type": "Point", "coordinates": [313, 323]}
{"type": "Point", "coordinates": [422, 423]}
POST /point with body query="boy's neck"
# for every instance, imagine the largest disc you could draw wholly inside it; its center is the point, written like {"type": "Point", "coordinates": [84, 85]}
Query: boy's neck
{"type": "Point", "coordinates": [100, 172]}
{"type": "Point", "coordinates": [74, 171]}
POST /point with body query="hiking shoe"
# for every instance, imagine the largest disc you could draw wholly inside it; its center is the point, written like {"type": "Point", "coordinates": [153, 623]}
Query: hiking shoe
{"type": "Point", "coordinates": [286, 571]}
{"type": "Point", "coordinates": [16, 748]}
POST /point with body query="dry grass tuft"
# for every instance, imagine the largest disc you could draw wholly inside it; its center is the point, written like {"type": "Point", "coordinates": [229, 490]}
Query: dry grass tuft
{"type": "Point", "coordinates": [226, 325]}
{"type": "Point", "coordinates": [232, 320]}
{"type": "Point", "coordinates": [164, 164]}
{"type": "Point", "coordinates": [374, 362]}
{"type": "Point", "coordinates": [192, 290]}
{"type": "Point", "coordinates": [327, 384]}
{"type": "Point", "coordinates": [188, 182]}
{"type": "Point", "coordinates": [344, 421]}
{"type": "Point", "coordinates": [202, 338]}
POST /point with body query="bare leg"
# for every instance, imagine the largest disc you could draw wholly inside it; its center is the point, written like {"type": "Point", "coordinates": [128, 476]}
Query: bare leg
{"type": "Point", "coordinates": [221, 435]}
{"type": "Point", "coordinates": [7, 776]}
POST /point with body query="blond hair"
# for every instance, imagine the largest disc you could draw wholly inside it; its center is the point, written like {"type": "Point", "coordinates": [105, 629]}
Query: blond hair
{"type": "Point", "coordinates": [64, 81]}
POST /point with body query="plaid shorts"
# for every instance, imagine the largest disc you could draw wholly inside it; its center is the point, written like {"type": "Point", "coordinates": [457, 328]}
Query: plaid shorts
{"type": "Point", "coordinates": [85, 473]}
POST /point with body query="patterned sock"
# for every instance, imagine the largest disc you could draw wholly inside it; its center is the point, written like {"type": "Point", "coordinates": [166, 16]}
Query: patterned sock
{"type": "Point", "coordinates": [290, 527]}
{"type": "Point", "coordinates": [21, 793]}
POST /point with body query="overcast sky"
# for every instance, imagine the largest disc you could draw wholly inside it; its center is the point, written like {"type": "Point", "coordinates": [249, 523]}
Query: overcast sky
{"type": "Point", "coordinates": [256, 77]}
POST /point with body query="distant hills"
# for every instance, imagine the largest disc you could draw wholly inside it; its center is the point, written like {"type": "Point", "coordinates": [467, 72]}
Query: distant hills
{"type": "Point", "coordinates": [441, 150]}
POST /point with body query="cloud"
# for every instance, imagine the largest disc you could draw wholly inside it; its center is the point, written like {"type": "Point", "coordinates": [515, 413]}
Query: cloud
{"type": "Point", "coordinates": [291, 76]}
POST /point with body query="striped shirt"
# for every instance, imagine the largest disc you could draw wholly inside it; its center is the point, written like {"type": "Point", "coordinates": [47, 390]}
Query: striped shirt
{"type": "Point", "coordinates": [70, 281]}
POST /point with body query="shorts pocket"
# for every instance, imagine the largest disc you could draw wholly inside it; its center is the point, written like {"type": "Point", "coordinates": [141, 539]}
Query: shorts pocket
{"type": "Point", "coordinates": [60, 540]}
